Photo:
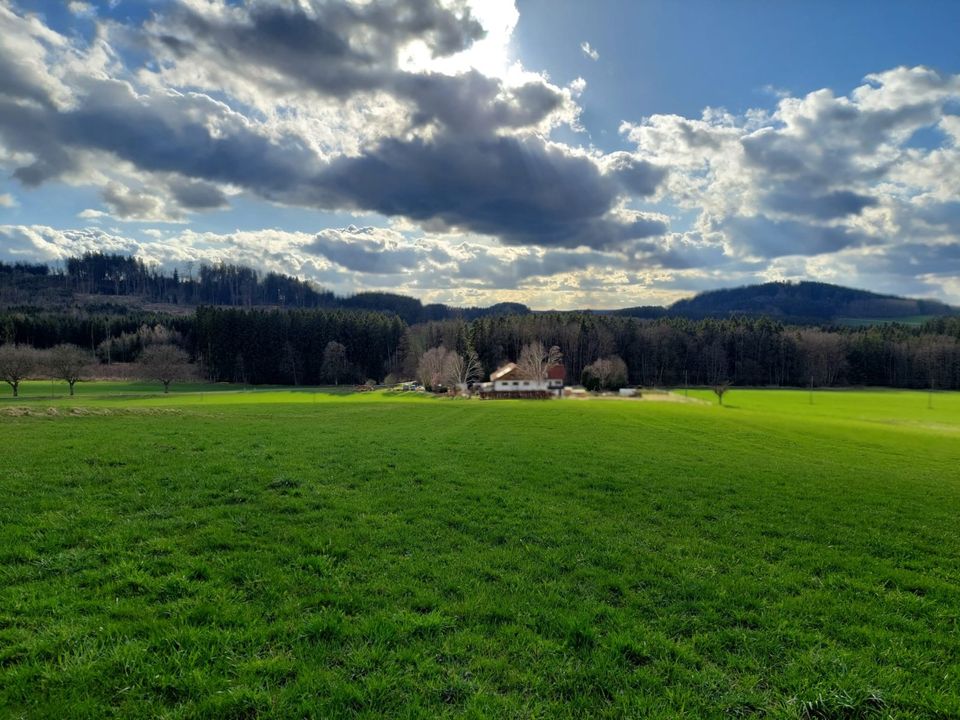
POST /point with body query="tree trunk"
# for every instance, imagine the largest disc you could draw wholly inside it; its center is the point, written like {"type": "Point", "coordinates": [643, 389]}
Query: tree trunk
{"type": "Point", "coordinates": [71, 389]}
{"type": "Point", "coordinates": [166, 386]}
{"type": "Point", "coordinates": [16, 388]}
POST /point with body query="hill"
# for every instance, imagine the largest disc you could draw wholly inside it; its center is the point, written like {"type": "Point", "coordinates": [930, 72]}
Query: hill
{"type": "Point", "coordinates": [800, 302]}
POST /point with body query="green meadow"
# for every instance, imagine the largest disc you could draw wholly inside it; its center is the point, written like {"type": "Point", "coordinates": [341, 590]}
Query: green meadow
{"type": "Point", "coordinates": [283, 553]}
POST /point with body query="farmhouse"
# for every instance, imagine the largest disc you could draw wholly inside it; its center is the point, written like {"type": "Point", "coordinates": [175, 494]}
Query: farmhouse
{"type": "Point", "coordinates": [510, 381]}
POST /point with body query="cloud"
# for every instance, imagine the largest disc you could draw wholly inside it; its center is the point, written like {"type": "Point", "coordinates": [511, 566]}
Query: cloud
{"type": "Point", "coordinates": [589, 51]}
{"type": "Point", "coordinates": [522, 191]}
{"type": "Point", "coordinates": [26, 46]}
{"type": "Point", "coordinates": [371, 250]}
{"type": "Point", "coordinates": [639, 177]}
{"type": "Point", "coordinates": [819, 174]}
{"type": "Point", "coordinates": [334, 48]}
{"type": "Point", "coordinates": [829, 206]}
{"type": "Point", "coordinates": [81, 9]}
{"type": "Point", "coordinates": [129, 204]}
{"type": "Point", "coordinates": [195, 195]}
{"type": "Point", "coordinates": [346, 50]}
{"type": "Point", "coordinates": [766, 238]}
{"type": "Point", "coordinates": [45, 244]}
{"type": "Point", "coordinates": [469, 158]}
{"type": "Point", "coordinates": [8, 201]}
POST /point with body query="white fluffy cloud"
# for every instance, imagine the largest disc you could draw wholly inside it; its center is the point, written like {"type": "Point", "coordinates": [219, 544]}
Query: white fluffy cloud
{"type": "Point", "coordinates": [823, 176]}
{"type": "Point", "coordinates": [81, 9]}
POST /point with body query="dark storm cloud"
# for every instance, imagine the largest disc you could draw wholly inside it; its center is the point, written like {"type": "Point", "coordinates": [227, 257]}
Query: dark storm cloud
{"type": "Point", "coordinates": [32, 128]}
{"type": "Point", "coordinates": [637, 176]}
{"type": "Point", "coordinates": [768, 151]}
{"type": "Point", "coordinates": [193, 195]}
{"type": "Point", "coordinates": [526, 192]}
{"type": "Point", "coordinates": [168, 133]}
{"type": "Point", "coordinates": [335, 48]}
{"type": "Point", "coordinates": [768, 238]}
{"type": "Point", "coordinates": [473, 103]}
{"type": "Point", "coordinates": [16, 81]}
{"type": "Point", "coordinates": [172, 133]}
{"type": "Point", "coordinates": [944, 216]}
{"type": "Point", "coordinates": [915, 259]}
{"type": "Point", "coordinates": [339, 50]}
{"type": "Point", "coordinates": [830, 206]}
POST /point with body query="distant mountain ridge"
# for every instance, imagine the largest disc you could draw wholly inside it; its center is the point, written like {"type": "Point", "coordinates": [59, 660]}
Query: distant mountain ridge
{"type": "Point", "coordinates": [129, 280]}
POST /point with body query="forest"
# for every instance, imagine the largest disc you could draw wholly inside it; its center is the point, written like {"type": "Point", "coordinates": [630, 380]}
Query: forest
{"type": "Point", "coordinates": [278, 346]}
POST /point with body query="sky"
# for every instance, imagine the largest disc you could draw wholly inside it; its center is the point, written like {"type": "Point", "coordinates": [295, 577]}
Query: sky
{"type": "Point", "coordinates": [559, 154]}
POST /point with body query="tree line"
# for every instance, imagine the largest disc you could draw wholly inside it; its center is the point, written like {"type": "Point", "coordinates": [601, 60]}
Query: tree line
{"type": "Point", "coordinates": [745, 351]}
{"type": "Point", "coordinates": [164, 362]}
{"type": "Point", "coordinates": [116, 275]}
{"type": "Point", "coordinates": [120, 277]}
{"type": "Point", "coordinates": [318, 346]}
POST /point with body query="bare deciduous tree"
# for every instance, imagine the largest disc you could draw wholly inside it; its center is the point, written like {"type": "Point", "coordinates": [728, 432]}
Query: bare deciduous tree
{"type": "Point", "coordinates": [67, 363]}
{"type": "Point", "coordinates": [433, 367]}
{"type": "Point", "coordinates": [535, 361]}
{"type": "Point", "coordinates": [335, 363]}
{"type": "Point", "coordinates": [720, 388]}
{"type": "Point", "coordinates": [607, 373]}
{"type": "Point", "coordinates": [164, 362]}
{"type": "Point", "coordinates": [461, 369]}
{"type": "Point", "coordinates": [16, 363]}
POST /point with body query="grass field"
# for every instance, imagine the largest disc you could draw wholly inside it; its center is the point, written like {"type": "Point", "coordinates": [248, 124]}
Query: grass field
{"type": "Point", "coordinates": [286, 554]}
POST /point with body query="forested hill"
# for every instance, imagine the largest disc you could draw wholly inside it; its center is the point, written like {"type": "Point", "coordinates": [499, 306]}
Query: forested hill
{"type": "Point", "coordinates": [129, 281]}
{"type": "Point", "coordinates": [802, 302]}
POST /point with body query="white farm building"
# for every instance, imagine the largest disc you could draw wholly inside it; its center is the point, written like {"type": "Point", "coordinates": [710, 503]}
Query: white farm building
{"type": "Point", "coordinates": [509, 381]}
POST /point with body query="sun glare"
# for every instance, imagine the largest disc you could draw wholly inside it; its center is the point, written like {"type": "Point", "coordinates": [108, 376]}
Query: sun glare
{"type": "Point", "coordinates": [491, 55]}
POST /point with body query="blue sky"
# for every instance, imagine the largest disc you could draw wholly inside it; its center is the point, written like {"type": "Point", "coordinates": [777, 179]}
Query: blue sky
{"type": "Point", "coordinates": [679, 57]}
{"type": "Point", "coordinates": [559, 154]}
